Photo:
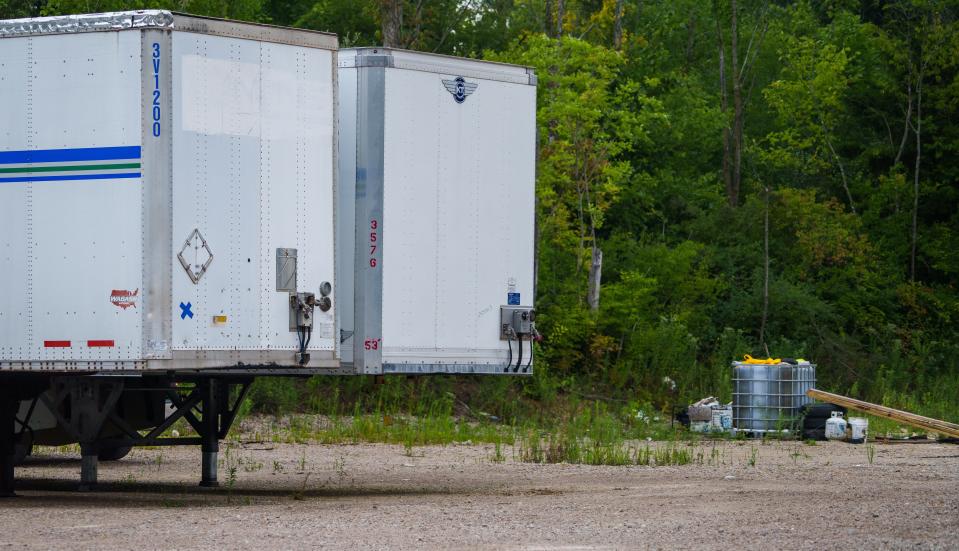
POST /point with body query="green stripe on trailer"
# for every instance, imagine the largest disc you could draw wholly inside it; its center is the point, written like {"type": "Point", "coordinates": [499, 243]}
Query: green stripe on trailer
{"type": "Point", "coordinates": [28, 169]}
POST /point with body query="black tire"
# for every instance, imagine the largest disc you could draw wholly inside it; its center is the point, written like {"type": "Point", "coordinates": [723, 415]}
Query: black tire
{"type": "Point", "coordinates": [114, 454]}
{"type": "Point", "coordinates": [820, 411]}
{"type": "Point", "coordinates": [20, 452]}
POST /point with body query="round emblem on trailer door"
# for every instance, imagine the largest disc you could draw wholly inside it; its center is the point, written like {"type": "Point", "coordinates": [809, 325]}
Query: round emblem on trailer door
{"type": "Point", "coordinates": [460, 88]}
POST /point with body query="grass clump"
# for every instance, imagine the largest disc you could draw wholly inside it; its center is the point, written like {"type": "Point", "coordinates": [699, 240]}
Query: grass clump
{"type": "Point", "coordinates": [597, 436]}
{"type": "Point", "coordinates": [564, 448]}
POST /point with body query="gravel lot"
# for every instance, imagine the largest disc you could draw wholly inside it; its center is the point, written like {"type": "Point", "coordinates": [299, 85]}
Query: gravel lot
{"type": "Point", "coordinates": [285, 496]}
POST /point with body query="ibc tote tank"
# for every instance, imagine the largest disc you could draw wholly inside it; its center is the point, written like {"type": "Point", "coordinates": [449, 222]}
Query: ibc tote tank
{"type": "Point", "coordinates": [767, 396]}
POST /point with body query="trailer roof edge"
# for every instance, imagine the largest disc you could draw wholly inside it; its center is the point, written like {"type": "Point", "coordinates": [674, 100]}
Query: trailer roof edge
{"type": "Point", "coordinates": [436, 63]}
{"type": "Point", "coordinates": [162, 19]}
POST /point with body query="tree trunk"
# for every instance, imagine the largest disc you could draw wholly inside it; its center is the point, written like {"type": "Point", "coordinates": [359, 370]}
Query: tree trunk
{"type": "Point", "coordinates": [595, 278]}
{"type": "Point", "coordinates": [915, 184]}
{"type": "Point", "coordinates": [690, 43]}
{"type": "Point", "coordinates": [548, 23]}
{"type": "Point", "coordinates": [618, 26]}
{"type": "Point", "coordinates": [560, 15]}
{"type": "Point", "coordinates": [842, 169]}
{"type": "Point", "coordinates": [392, 15]}
{"type": "Point", "coordinates": [907, 124]}
{"type": "Point", "coordinates": [762, 323]}
{"type": "Point", "coordinates": [737, 138]}
{"type": "Point", "coordinates": [724, 108]}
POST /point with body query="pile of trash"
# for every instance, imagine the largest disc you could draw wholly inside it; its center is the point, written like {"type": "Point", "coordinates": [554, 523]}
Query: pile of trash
{"type": "Point", "coordinates": [709, 416]}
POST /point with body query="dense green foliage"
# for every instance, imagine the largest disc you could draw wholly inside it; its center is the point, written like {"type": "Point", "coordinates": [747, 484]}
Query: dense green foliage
{"type": "Point", "coordinates": [848, 134]}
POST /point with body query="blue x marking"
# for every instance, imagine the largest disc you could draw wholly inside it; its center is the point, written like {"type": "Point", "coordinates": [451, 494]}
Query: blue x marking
{"type": "Point", "coordinates": [186, 310]}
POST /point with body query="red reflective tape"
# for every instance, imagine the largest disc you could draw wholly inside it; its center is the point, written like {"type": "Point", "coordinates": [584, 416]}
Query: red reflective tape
{"type": "Point", "coordinates": [100, 344]}
{"type": "Point", "coordinates": [56, 344]}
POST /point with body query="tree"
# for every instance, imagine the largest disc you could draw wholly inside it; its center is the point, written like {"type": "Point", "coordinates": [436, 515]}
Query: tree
{"type": "Point", "coordinates": [738, 73]}
{"type": "Point", "coordinates": [391, 17]}
{"type": "Point", "coordinates": [579, 176]}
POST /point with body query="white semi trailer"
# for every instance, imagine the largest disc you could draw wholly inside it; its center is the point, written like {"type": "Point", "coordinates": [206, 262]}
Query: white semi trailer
{"type": "Point", "coordinates": [190, 203]}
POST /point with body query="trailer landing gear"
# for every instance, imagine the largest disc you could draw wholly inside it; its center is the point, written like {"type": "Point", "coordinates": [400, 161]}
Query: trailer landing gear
{"type": "Point", "coordinates": [210, 435]}
{"type": "Point", "coordinates": [84, 406]}
{"type": "Point", "coordinates": [8, 439]}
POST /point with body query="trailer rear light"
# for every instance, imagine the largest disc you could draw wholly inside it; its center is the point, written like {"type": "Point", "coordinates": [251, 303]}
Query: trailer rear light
{"type": "Point", "coordinates": [100, 344]}
{"type": "Point", "coordinates": [56, 344]}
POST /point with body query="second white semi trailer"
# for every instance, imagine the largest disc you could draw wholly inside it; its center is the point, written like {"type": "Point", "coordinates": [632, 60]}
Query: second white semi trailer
{"type": "Point", "coordinates": [435, 226]}
{"type": "Point", "coordinates": [191, 203]}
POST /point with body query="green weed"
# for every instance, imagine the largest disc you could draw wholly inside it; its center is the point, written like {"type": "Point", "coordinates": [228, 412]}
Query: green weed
{"type": "Point", "coordinates": [498, 456]}
{"type": "Point", "coordinates": [300, 494]}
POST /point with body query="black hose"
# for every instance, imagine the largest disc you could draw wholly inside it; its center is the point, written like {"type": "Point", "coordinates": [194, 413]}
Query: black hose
{"type": "Point", "coordinates": [509, 343]}
{"type": "Point", "coordinates": [519, 360]}
{"type": "Point", "coordinates": [529, 363]}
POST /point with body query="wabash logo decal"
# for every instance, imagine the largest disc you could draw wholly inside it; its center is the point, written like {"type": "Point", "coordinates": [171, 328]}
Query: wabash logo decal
{"type": "Point", "coordinates": [124, 299]}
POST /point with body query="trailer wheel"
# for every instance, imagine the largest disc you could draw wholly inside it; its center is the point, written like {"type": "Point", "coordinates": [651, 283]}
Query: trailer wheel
{"type": "Point", "coordinates": [20, 452]}
{"type": "Point", "coordinates": [114, 454]}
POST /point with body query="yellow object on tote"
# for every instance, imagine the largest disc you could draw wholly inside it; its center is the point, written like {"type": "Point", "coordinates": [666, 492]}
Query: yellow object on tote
{"type": "Point", "coordinates": [747, 359]}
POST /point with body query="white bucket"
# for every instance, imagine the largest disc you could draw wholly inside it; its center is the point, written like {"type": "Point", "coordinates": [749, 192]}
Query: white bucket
{"type": "Point", "coordinates": [858, 427]}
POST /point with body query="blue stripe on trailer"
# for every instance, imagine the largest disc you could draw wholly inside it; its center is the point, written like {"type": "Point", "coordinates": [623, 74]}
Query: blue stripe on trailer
{"type": "Point", "coordinates": [70, 177]}
{"type": "Point", "coordinates": [79, 154]}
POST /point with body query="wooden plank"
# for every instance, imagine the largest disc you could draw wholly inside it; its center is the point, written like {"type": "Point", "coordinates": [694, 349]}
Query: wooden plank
{"type": "Point", "coordinates": [927, 423]}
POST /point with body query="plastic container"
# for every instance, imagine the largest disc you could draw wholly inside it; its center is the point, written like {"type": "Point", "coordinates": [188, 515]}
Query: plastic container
{"type": "Point", "coordinates": [722, 418]}
{"type": "Point", "coordinates": [836, 427]}
{"type": "Point", "coordinates": [858, 428]}
{"type": "Point", "coordinates": [768, 397]}
{"type": "Point", "coordinates": [700, 426]}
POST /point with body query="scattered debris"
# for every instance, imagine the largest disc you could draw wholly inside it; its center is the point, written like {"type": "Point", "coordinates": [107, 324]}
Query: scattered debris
{"type": "Point", "coordinates": [814, 417]}
{"type": "Point", "coordinates": [708, 415]}
{"type": "Point", "coordinates": [927, 423]}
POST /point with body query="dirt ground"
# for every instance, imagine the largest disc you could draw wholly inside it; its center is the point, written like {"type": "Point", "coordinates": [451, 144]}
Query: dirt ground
{"type": "Point", "coordinates": [282, 496]}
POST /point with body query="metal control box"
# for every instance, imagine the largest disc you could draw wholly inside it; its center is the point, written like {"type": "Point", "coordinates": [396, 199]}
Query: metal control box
{"type": "Point", "coordinates": [153, 166]}
{"type": "Point", "coordinates": [435, 210]}
{"type": "Point", "coordinates": [517, 323]}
